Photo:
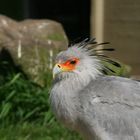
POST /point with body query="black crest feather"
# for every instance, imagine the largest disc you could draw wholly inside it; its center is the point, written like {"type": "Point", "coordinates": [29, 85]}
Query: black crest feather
{"type": "Point", "coordinates": [91, 44]}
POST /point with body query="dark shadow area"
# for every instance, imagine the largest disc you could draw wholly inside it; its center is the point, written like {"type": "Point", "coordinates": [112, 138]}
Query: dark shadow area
{"type": "Point", "coordinates": [74, 15]}
{"type": "Point", "coordinates": [13, 9]}
{"type": "Point", "coordinates": [8, 66]}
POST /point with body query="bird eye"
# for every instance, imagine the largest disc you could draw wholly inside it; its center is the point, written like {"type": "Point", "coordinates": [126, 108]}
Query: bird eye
{"type": "Point", "coordinates": [73, 62]}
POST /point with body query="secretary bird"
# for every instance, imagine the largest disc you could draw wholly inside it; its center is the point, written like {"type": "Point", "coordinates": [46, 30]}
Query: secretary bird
{"type": "Point", "coordinates": [98, 106]}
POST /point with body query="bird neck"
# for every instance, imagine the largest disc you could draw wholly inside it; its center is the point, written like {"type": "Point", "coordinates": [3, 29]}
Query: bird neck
{"type": "Point", "coordinates": [72, 83]}
{"type": "Point", "coordinates": [64, 97]}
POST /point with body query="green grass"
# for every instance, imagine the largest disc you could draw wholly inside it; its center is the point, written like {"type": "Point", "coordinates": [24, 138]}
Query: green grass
{"type": "Point", "coordinates": [25, 112]}
{"type": "Point", "coordinates": [35, 131]}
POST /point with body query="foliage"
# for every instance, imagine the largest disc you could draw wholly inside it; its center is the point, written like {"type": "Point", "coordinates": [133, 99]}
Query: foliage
{"type": "Point", "coordinates": [25, 112]}
{"type": "Point", "coordinates": [35, 131]}
{"type": "Point", "coordinates": [123, 70]}
{"type": "Point", "coordinates": [21, 100]}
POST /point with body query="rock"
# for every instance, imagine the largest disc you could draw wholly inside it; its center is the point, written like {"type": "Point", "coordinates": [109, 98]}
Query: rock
{"type": "Point", "coordinates": [32, 44]}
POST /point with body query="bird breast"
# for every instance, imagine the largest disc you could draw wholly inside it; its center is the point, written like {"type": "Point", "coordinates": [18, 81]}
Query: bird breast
{"type": "Point", "coordinates": [63, 103]}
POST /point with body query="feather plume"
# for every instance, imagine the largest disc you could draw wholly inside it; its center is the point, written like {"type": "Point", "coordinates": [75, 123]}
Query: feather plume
{"type": "Point", "coordinates": [92, 46]}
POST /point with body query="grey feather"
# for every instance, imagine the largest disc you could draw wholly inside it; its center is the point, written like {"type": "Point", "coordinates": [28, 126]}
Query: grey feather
{"type": "Point", "coordinates": [97, 106]}
{"type": "Point", "coordinates": [114, 103]}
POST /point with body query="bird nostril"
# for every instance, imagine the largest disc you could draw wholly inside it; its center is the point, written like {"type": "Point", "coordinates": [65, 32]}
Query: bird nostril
{"type": "Point", "coordinates": [59, 66]}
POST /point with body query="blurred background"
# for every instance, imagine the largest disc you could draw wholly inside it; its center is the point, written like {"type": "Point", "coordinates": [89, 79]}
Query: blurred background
{"type": "Point", "coordinates": [73, 15]}
{"type": "Point", "coordinates": [24, 110]}
{"type": "Point", "coordinates": [115, 21]}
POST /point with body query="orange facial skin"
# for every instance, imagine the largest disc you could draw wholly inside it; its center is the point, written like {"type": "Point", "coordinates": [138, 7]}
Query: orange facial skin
{"type": "Point", "coordinates": [69, 65]}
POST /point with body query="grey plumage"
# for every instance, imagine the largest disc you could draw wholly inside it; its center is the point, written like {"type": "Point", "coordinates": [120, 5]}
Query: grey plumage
{"type": "Point", "coordinates": [99, 107]}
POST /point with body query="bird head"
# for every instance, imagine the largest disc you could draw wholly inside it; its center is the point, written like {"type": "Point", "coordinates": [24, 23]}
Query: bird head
{"type": "Point", "coordinates": [81, 60]}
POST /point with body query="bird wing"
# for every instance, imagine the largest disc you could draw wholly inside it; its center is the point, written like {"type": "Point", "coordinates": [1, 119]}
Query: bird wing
{"type": "Point", "coordinates": [116, 89]}
{"type": "Point", "coordinates": [111, 107]}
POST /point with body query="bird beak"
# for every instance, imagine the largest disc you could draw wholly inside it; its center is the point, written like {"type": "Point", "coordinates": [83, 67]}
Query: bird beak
{"type": "Point", "coordinates": [57, 69]}
{"type": "Point", "coordinates": [60, 67]}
